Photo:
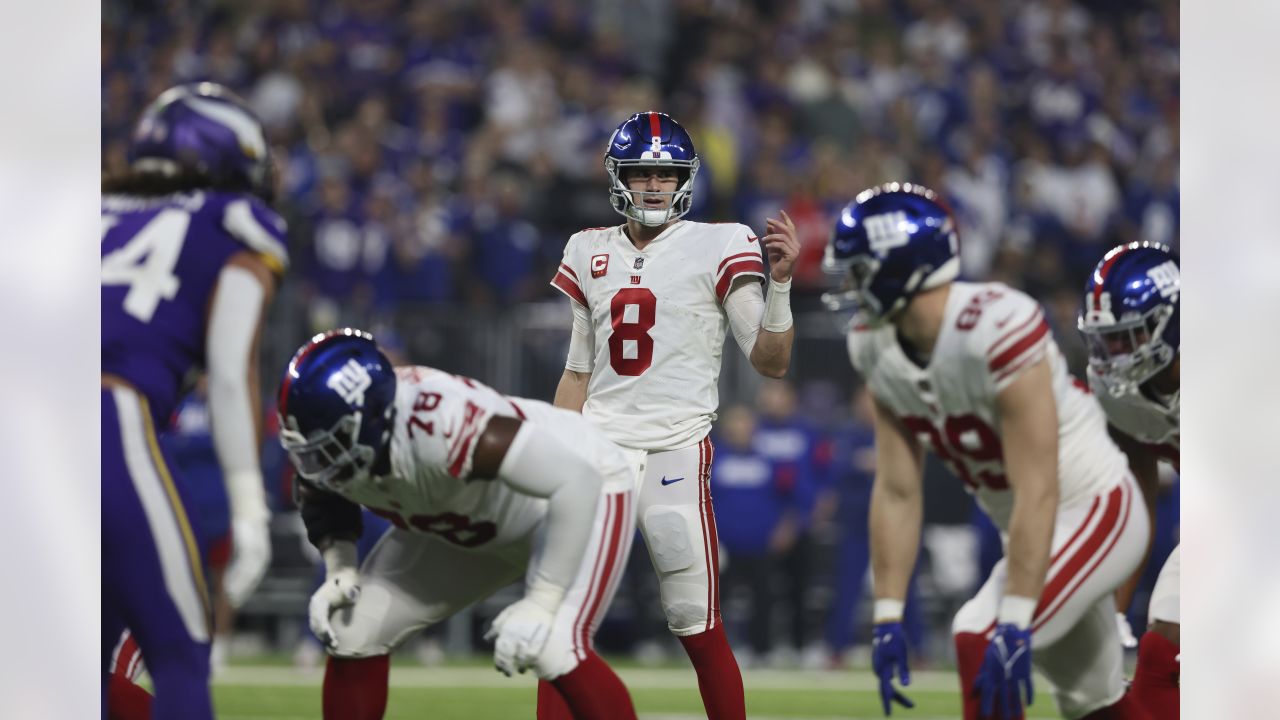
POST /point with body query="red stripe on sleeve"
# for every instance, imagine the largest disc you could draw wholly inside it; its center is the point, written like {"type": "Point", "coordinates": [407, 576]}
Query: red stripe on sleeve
{"type": "Point", "coordinates": [461, 446]}
{"type": "Point", "coordinates": [569, 271]}
{"type": "Point", "coordinates": [742, 267]}
{"type": "Point", "coordinates": [1019, 347]}
{"type": "Point", "coordinates": [562, 283]}
{"type": "Point", "coordinates": [739, 256]}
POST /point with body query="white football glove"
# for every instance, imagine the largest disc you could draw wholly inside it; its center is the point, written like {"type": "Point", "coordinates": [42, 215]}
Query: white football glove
{"type": "Point", "coordinates": [521, 630]}
{"type": "Point", "coordinates": [341, 588]}
{"type": "Point", "coordinates": [1127, 640]}
{"type": "Point", "coordinates": [251, 542]}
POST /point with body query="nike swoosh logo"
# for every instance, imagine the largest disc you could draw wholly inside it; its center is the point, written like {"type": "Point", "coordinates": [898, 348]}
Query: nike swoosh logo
{"type": "Point", "coordinates": [751, 239]}
{"type": "Point", "coordinates": [665, 481]}
{"type": "Point", "coordinates": [1005, 321]}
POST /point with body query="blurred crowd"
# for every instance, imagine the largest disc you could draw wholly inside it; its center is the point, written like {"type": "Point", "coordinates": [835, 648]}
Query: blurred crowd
{"type": "Point", "coordinates": [438, 153]}
{"type": "Point", "coordinates": [441, 151]}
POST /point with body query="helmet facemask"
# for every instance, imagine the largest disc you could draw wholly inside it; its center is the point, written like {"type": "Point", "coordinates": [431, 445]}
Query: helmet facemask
{"type": "Point", "coordinates": [622, 197]}
{"type": "Point", "coordinates": [1126, 353]}
{"type": "Point", "coordinates": [328, 458]}
{"type": "Point", "coordinates": [859, 290]}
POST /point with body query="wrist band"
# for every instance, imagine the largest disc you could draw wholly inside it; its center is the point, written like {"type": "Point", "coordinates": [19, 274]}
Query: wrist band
{"type": "Point", "coordinates": [777, 307]}
{"type": "Point", "coordinates": [888, 610]}
{"type": "Point", "coordinates": [1016, 610]}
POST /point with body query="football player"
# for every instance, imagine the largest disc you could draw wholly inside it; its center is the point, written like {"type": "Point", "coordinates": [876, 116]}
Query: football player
{"type": "Point", "coordinates": [191, 254]}
{"type": "Point", "coordinates": [970, 372]}
{"type": "Point", "coordinates": [652, 299]}
{"type": "Point", "coordinates": [481, 490]}
{"type": "Point", "coordinates": [1130, 323]}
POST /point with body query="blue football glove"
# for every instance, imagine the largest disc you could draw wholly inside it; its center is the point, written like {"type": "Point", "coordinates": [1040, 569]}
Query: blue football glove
{"type": "Point", "coordinates": [1005, 673]}
{"type": "Point", "coordinates": [889, 651]}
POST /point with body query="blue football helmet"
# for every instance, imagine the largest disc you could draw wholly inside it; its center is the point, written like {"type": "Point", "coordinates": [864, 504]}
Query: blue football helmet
{"type": "Point", "coordinates": [204, 128]}
{"type": "Point", "coordinates": [890, 243]}
{"type": "Point", "coordinates": [1130, 315]}
{"type": "Point", "coordinates": [336, 407]}
{"type": "Point", "coordinates": [647, 139]}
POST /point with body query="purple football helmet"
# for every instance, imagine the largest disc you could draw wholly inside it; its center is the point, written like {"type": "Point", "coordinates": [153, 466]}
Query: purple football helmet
{"type": "Point", "coordinates": [1130, 315]}
{"type": "Point", "coordinates": [204, 128]}
{"type": "Point", "coordinates": [650, 139]}
{"type": "Point", "coordinates": [890, 243]}
{"type": "Point", "coordinates": [336, 406]}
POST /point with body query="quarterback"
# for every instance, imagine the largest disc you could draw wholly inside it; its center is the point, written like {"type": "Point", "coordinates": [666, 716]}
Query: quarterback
{"type": "Point", "coordinates": [481, 490]}
{"type": "Point", "coordinates": [652, 300]}
{"type": "Point", "coordinates": [970, 372]}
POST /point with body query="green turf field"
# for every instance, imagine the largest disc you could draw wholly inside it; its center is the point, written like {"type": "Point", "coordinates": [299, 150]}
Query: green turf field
{"type": "Point", "coordinates": [480, 693]}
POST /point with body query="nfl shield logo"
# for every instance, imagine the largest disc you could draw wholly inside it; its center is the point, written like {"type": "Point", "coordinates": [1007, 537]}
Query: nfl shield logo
{"type": "Point", "coordinates": [639, 263]}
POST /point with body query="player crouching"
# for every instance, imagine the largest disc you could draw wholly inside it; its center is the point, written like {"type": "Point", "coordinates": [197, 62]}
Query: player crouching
{"type": "Point", "coordinates": [481, 490]}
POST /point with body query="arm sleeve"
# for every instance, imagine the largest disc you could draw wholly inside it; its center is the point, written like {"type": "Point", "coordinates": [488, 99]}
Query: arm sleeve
{"type": "Point", "coordinates": [539, 464]}
{"type": "Point", "coordinates": [255, 225]}
{"type": "Point", "coordinates": [327, 516]}
{"type": "Point", "coordinates": [745, 308]}
{"type": "Point", "coordinates": [582, 343]}
{"type": "Point", "coordinates": [233, 323]}
{"type": "Point", "coordinates": [566, 278]}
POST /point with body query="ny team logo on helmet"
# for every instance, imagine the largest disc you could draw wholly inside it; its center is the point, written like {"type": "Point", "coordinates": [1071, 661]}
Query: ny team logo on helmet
{"type": "Point", "coordinates": [650, 139]}
{"type": "Point", "coordinates": [203, 128]}
{"type": "Point", "coordinates": [890, 243]}
{"type": "Point", "coordinates": [1130, 314]}
{"type": "Point", "coordinates": [336, 406]}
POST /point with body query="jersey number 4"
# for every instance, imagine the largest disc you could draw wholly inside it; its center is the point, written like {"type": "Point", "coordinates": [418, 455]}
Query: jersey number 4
{"type": "Point", "coordinates": [631, 345]}
{"type": "Point", "coordinates": [146, 262]}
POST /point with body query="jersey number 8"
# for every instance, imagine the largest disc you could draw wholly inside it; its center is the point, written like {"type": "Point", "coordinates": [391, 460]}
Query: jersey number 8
{"type": "Point", "coordinates": [631, 345]}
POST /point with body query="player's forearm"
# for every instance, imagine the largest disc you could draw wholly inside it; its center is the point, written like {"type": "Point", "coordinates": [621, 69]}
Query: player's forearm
{"type": "Point", "coordinates": [571, 393]}
{"type": "Point", "coordinates": [771, 355]}
{"type": "Point", "coordinates": [233, 387]}
{"type": "Point", "coordinates": [539, 464]}
{"type": "Point", "coordinates": [1031, 524]}
{"type": "Point", "coordinates": [895, 520]}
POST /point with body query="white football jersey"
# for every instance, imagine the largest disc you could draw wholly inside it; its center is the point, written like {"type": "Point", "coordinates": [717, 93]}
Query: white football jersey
{"type": "Point", "coordinates": [438, 419]}
{"type": "Point", "coordinates": [1141, 418]}
{"type": "Point", "coordinates": [990, 334]}
{"type": "Point", "coordinates": [658, 325]}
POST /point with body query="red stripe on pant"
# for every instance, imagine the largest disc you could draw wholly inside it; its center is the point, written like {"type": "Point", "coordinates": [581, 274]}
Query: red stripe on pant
{"type": "Point", "coordinates": [712, 537]}
{"type": "Point", "coordinates": [579, 650]}
{"type": "Point", "coordinates": [1052, 598]}
{"type": "Point", "coordinates": [613, 528]}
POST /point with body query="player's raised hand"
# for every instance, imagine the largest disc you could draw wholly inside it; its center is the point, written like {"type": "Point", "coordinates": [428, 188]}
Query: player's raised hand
{"type": "Point", "coordinates": [1005, 673]}
{"type": "Point", "coordinates": [781, 244]}
{"type": "Point", "coordinates": [889, 654]}
{"type": "Point", "coordinates": [520, 631]}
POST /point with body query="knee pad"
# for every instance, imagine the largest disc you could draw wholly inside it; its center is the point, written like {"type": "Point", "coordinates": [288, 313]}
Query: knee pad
{"type": "Point", "coordinates": [667, 533]}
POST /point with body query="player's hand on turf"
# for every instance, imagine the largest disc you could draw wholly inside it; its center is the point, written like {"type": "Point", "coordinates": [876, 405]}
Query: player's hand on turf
{"type": "Point", "coordinates": [251, 542]}
{"type": "Point", "coordinates": [781, 244]}
{"type": "Point", "coordinates": [1127, 640]}
{"type": "Point", "coordinates": [340, 589]}
{"type": "Point", "coordinates": [889, 654]}
{"type": "Point", "coordinates": [1005, 673]}
{"type": "Point", "coordinates": [521, 631]}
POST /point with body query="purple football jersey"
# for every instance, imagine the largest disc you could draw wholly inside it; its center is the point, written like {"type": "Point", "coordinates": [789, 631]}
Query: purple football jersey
{"type": "Point", "coordinates": [161, 257]}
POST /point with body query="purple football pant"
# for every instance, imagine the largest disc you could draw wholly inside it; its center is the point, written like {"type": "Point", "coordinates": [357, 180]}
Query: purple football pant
{"type": "Point", "coordinates": [152, 579]}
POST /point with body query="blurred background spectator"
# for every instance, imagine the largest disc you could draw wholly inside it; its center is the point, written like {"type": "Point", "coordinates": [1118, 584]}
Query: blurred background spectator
{"type": "Point", "coordinates": [434, 156]}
